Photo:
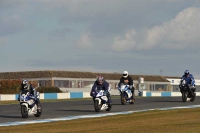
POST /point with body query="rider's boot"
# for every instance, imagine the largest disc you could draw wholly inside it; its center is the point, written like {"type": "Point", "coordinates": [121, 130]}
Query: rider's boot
{"type": "Point", "coordinates": [133, 96]}
{"type": "Point", "coordinates": [38, 105]}
{"type": "Point", "coordinates": [109, 100]}
{"type": "Point", "coordinates": [93, 99]}
{"type": "Point", "coordinates": [181, 91]}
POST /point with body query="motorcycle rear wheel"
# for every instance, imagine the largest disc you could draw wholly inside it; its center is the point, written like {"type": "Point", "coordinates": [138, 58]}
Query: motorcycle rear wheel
{"type": "Point", "coordinates": [133, 101]}
{"type": "Point", "coordinates": [109, 107]}
{"type": "Point", "coordinates": [193, 97]}
{"type": "Point", "coordinates": [39, 111]}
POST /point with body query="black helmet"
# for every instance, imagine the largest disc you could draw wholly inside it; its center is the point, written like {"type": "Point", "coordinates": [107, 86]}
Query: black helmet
{"type": "Point", "coordinates": [186, 73]}
{"type": "Point", "coordinates": [24, 83]}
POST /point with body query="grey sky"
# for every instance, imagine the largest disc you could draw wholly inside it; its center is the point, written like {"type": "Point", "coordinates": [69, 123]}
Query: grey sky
{"type": "Point", "coordinates": [101, 35]}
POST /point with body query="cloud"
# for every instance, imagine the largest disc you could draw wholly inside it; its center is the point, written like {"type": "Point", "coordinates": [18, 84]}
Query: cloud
{"type": "Point", "coordinates": [125, 43]}
{"type": "Point", "coordinates": [5, 4]}
{"type": "Point", "coordinates": [85, 41]}
{"type": "Point", "coordinates": [59, 33]}
{"type": "Point", "coordinates": [67, 64]}
{"type": "Point", "coordinates": [3, 40]}
{"type": "Point", "coordinates": [167, 1]}
{"type": "Point", "coordinates": [11, 25]}
{"type": "Point", "coordinates": [89, 69]}
{"type": "Point", "coordinates": [92, 8]}
{"type": "Point", "coordinates": [179, 33]}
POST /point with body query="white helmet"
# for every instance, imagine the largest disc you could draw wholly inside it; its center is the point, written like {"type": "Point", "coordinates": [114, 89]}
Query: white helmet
{"type": "Point", "coordinates": [125, 74]}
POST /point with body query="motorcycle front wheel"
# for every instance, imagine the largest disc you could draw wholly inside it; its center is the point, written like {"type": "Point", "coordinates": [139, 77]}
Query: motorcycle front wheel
{"type": "Point", "coordinates": [97, 106]}
{"type": "Point", "coordinates": [24, 111]}
{"type": "Point", "coordinates": [184, 96]}
{"type": "Point", "coordinates": [123, 99]}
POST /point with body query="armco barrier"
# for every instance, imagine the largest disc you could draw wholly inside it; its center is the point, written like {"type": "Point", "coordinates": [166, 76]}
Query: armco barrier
{"type": "Point", "coordinates": [7, 97]}
{"type": "Point", "coordinates": [162, 94]}
{"type": "Point", "coordinates": [69, 95]}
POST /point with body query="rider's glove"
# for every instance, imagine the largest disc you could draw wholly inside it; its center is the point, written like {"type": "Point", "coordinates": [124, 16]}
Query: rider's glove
{"type": "Point", "coordinates": [131, 87]}
{"type": "Point", "coordinates": [192, 87]}
{"type": "Point", "coordinates": [34, 98]}
{"type": "Point", "coordinates": [92, 94]}
{"type": "Point", "coordinates": [118, 87]}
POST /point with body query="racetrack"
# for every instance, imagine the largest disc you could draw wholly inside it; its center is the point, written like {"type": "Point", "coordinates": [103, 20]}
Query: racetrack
{"type": "Point", "coordinates": [11, 113]}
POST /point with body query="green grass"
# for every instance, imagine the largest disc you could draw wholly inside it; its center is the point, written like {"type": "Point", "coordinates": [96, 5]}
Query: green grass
{"type": "Point", "coordinates": [173, 121]}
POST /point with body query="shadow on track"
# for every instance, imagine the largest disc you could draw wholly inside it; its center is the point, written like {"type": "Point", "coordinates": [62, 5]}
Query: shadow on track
{"type": "Point", "coordinates": [92, 104]}
{"type": "Point", "coordinates": [76, 110]}
{"type": "Point", "coordinates": [169, 101]}
{"type": "Point", "coordinates": [6, 116]}
{"type": "Point", "coordinates": [122, 105]}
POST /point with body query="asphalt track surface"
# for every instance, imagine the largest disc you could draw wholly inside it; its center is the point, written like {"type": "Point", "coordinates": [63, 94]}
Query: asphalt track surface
{"type": "Point", "coordinates": [11, 113]}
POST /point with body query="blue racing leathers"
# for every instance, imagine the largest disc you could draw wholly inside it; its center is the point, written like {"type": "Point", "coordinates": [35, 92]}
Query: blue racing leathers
{"type": "Point", "coordinates": [104, 86]}
{"type": "Point", "coordinates": [32, 91]}
{"type": "Point", "coordinates": [189, 79]}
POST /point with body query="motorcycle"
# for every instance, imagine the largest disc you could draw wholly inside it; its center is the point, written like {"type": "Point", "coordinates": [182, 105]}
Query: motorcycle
{"type": "Point", "coordinates": [101, 101]}
{"type": "Point", "coordinates": [28, 105]}
{"type": "Point", "coordinates": [187, 92]}
{"type": "Point", "coordinates": [126, 95]}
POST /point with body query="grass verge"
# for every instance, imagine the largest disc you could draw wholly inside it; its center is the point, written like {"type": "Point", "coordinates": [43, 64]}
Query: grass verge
{"type": "Point", "coordinates": [173, 121]}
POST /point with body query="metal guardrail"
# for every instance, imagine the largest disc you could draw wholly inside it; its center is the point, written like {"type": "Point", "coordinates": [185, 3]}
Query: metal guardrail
{"type": "Point", "coordinates": [70, 95]}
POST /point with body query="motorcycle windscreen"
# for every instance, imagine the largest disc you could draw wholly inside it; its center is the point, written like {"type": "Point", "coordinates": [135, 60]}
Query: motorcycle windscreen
{"type": "Point", "coordinates": [24, 92]}
{"type": "Point", "coordinates": [99, 88]}
{"type": "Point", "coordinates": [184, 83]}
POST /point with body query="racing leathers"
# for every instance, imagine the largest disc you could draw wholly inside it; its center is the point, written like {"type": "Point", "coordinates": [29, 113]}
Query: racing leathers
{"type": "Point", "coordinates": [190, 80]}
{"type": "Point", "coordinates": [129, 81]}
{"type": "Point", "coordinates": [104, 86]}
{"type": "Point", "coordinates": [32, 91]}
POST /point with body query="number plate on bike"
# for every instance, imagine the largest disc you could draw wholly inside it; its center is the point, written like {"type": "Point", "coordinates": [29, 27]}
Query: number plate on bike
{"type": "Point", "coordinates": [104, 97]}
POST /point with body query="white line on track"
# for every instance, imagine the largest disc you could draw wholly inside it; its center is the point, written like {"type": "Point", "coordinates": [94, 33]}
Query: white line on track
{"type": "Point", "coordinates": [91, 116]}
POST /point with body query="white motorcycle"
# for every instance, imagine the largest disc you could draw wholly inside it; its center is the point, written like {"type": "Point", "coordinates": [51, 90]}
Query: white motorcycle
{"type": "Point", "coordinates": [126, 95]}
{"type": "Point", "coordinates": [28, 105]}
{"type": "Point", "coordinates": [101, 101]}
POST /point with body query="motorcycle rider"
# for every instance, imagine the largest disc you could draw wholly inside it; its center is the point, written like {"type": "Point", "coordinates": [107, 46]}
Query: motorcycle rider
{"type": "Point", "coordinates": [26, 86]}
{"type": "Point", "coordinates": [100, 82]}
{"type": "Point", "coordinates": [189, 78]}
{"type": "Point", "coordinates": [126, 79]}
